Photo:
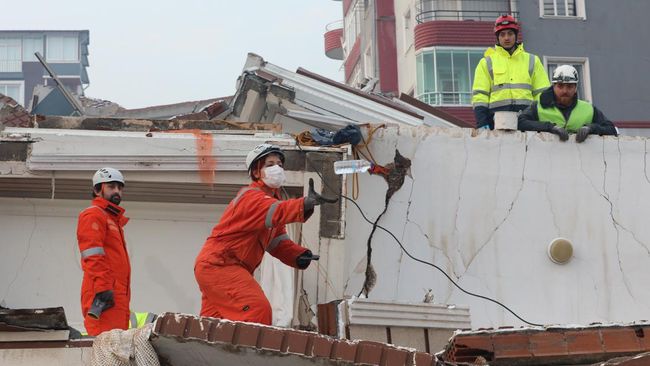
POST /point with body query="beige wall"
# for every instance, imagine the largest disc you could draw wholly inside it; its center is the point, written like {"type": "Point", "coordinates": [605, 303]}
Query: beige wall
{"type": "Point", "coordinates": [404, 32]}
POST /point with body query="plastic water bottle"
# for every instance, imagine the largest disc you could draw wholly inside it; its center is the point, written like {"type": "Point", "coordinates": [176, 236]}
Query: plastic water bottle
{"type": "Point", "coordinates": [351, 166]}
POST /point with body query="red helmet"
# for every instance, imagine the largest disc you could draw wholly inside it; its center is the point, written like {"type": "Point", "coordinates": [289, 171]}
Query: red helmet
{"type": "Point", "coordinates": [506, 22]}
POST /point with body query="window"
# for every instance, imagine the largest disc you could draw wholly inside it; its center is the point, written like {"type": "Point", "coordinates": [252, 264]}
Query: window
{"type": "Point", "coordinates": [562, 8]}
{"type": "Point", "coordinates": [581, 64]}
{"type": "Point", "coordinates": [10, 60]}
{"type": "Point", "coordinates": [445, 76]}
{"type": "Point", "coordinates": [13, 89]}
{"type": "Point", "coordinates": [62, 48]}
{"type": "Point", "coordinates": [32, 45]}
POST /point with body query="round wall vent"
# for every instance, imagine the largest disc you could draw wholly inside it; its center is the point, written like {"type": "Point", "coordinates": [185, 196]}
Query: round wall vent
{"type": "Point", "coordinates": [560, 250]}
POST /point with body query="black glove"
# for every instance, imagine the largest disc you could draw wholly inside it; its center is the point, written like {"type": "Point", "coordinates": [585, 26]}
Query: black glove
{"type": "Point", "coordinates": [583, 132]}
{"type": "Point", "coordinates": [314, 199]}
{"type": "Point", "coordinates": [305, 259]}
{"type": "Point", "coordinates": [102, 302]}
{"type": "Point", "coordinates": [317, 198]}
{"type": "Point", "coordinates": [560, 132]}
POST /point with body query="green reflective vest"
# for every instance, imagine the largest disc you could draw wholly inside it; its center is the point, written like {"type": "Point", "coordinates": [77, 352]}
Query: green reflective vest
{"type": "Point", "coordinates": [582, 114]}
{"type": "Point", "coordinates": [140, 319]}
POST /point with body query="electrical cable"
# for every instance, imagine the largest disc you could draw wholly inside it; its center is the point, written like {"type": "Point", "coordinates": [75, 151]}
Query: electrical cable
{"type": "Point", "coordinates": [409, 254]}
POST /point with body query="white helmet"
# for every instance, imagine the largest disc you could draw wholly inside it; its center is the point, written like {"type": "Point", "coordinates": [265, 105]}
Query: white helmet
{"type": "Point", "coordinates": [261, 151]}
{"type": "Point", "coordinates": [105, 175]}
{"type": "Point", "coordinates": [565, 74]}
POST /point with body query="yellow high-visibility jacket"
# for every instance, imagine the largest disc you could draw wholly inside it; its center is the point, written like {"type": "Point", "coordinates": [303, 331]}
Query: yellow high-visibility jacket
{"type": "Point", "coordinates": [505, 82]}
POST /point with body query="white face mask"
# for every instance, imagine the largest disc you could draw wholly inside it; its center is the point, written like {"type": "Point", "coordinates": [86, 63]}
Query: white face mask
{"type": "Point", "coordinates": [274, 176]}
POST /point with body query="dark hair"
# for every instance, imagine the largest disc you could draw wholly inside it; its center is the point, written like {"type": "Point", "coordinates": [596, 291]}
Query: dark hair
{"type": "Point", "coordinates": [97, 188]}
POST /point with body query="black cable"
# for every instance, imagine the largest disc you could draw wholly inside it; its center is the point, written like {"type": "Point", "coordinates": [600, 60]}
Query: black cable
{"type": "Point", "coordinates": [406, 251]}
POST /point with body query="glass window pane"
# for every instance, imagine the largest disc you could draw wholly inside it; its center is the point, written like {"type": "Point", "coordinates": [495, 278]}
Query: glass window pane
{"type": "Point", "coordinates": [561, 7]}
{"type": "Point", "coordinates": [444, 75]}
{"type": "Point", "coordinates": [31, 46]}
{"type": "Point", "coordinates": [11, 90]}
{"type": "Point", "coordinates": [54, 48]}
{"type": "Point", "coordinates": [70, 47]}
{"type": "Point", "coordinates": [10, 55]}
{"type": "Point", "coordinates": [474, 58]}
{"type": "Point", "coordinates": [462, 85]}
{"type": "Point", "coordinates": [426, 86]}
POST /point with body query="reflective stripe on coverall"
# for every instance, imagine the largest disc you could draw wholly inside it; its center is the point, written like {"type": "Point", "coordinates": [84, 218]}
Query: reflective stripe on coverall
{"type": "Point", "coordinates": [105, 263]}
{"type": "Point", "coordinates": [253, 222]}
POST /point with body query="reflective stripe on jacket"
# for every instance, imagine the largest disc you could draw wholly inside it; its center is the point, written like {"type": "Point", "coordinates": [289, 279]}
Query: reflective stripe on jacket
{"type": "Point", "coordinates": [105, 262]}
{"type": "Point", "coordinates": [502, 79]}
{"type": "Point", "coordinates": [581, 114]}
{"type": "Point", "coordinates": [254, 222]}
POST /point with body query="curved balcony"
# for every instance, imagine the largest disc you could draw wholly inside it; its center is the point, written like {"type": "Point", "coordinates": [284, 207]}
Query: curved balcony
{"type": "Point", "coordinates": [333, 36]}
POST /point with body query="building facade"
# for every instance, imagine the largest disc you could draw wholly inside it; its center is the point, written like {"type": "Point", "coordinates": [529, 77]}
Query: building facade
{"type": "Point", "coordinates": [20, 71]}
{"type": "Point", "coordinates": [438, 43]}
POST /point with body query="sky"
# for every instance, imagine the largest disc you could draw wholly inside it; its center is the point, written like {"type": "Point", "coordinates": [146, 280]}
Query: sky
{"type": "Point", "coordinates": [145, 53]}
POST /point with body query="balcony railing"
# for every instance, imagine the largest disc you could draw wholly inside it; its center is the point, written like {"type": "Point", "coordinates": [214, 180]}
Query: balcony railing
{"type": "Point", "coordinates": [445, 98]}
{"type": "Point", "coordinates": [481, 10]}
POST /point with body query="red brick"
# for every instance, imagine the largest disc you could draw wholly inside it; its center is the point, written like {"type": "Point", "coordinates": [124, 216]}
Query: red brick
{"type": "Point", "coordinates": [369, 352]}
{"type": "Point", "coordinates": [222, 331]}
{"type": "Point", "coordinates": [320, 347]}
{"type": "Point", "coordinates": [198, 328]}
{"type": "Point", "coordinates": [643, 335]}
{"type": "Point", "coordinates": [514, 345]}
{"type": "Point", "coordinates": [481, 342]}
{"type": "Point", "coordinates": [620, 340]}
{"type": "Point", "coordinates": [246, 334]}
{"type": "Point", "coordinates": [548, 344]}
{"type": "Point", "coordinates": [295, 342]}
{"type": "Point", "coordinates": [423, 359]}
{"type": "Point", "coordinates": [270, 338]}
{"type": "Point", "coordinates": [395, 357]}
{"type": "Point", "coordinates": [343, 350]}
{"type": "Point", "coordinates": [583, 341]}
{"type": "Point", "coordinates": [172, 324]}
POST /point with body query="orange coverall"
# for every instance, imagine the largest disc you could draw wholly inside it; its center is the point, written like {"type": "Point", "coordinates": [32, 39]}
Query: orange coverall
{"type": "Point", "coordinates": [105, 263]}
{"type": "Point", "coordinates": [253, 222]}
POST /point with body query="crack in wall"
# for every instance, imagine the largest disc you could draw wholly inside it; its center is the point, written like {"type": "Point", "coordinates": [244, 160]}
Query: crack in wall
{"type": "Point", "coordinates": [550, 205]}
{"type": "Point", "coordinates": [434, 246]}
{"type": "Point", "coordinates": [460, 183]}
{"type": "Point", "coordinates": [22, 263]}
{"type": "Point", "coordinates": [507, 215]}
{"type": "Point", "coordinates": [401, 252]}
{"type": "Point", "coordinates": [605, 195]}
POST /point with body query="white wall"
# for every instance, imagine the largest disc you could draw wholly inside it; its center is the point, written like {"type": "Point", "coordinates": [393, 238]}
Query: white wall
{"type": "Point", "coordinates": [405, 45]}
{"type": "Point", "coordinates": [39, 265]}
{"type": "Point", "coordinates": [485, 208]}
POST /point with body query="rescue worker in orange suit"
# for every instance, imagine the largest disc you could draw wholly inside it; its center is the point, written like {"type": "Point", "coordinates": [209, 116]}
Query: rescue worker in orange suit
{"type": "Point", "coordinates": [104, 259]}
{"type": "Point", "coordinates": [253, 223]}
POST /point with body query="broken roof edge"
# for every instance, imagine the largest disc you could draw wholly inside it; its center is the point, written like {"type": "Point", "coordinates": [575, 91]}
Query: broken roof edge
{"type": "Point", "coordinates": [173, 333]}
{"type": "Point", "coordinates": [382, 110]}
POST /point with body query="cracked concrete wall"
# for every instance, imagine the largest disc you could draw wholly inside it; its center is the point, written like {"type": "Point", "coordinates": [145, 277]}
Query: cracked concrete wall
{"type": "Point", "coordinates": [485, 208]}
